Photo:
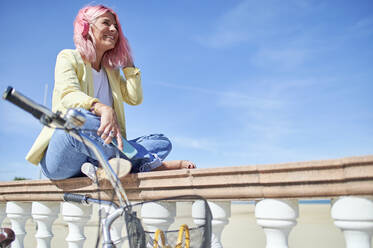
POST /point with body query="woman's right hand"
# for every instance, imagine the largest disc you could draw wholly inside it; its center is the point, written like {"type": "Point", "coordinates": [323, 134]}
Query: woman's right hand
{"type": "Point", "coordinates": [109, 127]}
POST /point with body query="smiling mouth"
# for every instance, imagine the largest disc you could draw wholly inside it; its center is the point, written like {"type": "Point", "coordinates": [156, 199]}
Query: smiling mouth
{"type": "Point", "coordinates": [109, 37]}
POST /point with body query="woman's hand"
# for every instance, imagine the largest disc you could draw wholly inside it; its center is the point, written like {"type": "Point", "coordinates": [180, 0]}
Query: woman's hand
{"type": "Point", "coordinates": [109, 127]}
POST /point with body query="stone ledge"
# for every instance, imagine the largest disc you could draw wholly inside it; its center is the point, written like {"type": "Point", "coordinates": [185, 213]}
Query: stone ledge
{"type": "Point", "coordinates": [322, 178]}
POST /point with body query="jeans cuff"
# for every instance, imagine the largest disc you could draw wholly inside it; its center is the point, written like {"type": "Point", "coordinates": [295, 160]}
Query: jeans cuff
{"type": "Point", "coordinates": [151, 165]}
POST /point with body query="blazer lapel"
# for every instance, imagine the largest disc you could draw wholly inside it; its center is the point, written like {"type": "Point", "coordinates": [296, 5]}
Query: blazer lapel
{"type": "Point", "coordinates": [90, 87]}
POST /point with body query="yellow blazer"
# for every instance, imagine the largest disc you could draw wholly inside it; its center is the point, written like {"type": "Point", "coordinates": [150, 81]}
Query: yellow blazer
{"type": "Point", "coordinates": [73, 88]}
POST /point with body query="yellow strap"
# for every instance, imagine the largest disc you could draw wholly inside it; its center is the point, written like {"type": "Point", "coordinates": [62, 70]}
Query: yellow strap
{"type": "Point", "coordinates": [156, 237]}
{"type": "Point", "coordinates": [183, 228]}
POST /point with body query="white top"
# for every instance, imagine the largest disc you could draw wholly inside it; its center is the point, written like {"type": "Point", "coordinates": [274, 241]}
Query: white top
{"type": "Point", "coordinates": [102, 87]}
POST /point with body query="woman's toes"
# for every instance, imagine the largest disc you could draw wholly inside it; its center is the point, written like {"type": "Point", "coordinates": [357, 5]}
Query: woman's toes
{"type": "Point", "coordinates": [185, 164]}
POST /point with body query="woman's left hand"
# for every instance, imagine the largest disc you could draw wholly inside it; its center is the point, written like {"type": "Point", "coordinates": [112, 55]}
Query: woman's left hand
{"type": "Point", "coordinates": [109, 127]}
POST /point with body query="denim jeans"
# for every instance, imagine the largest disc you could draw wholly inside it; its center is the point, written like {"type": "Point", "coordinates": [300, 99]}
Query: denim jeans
{"type": "Point", "coordinates": [65, 155]}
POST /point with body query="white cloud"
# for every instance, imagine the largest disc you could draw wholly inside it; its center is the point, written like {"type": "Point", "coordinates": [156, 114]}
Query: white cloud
{"type": "Point", "coordinates": [234, 98]}
{"type": "Point", "coordinates": [237, 99]}
{"type": "Point", "coordinates": [280, 58]}
{"type": "Point", "coordinates": [228, 30]}
{"type": "Point", "coordinates": [250, 21]}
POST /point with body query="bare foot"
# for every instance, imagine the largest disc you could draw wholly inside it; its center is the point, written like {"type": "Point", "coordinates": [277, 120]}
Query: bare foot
{"type": "Point", "coordinates": [176, 165]}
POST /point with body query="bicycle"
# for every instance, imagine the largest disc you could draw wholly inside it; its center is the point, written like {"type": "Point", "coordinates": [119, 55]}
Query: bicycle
{"type": "Point", "coordinates": [136, 235]}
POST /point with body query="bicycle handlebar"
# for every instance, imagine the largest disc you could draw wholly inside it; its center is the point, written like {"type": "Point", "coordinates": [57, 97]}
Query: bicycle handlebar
{"type": "Point", "coordinates": [75, 198]}
{"type": "Point", "coordinates": [38, 111]}
{"type": "Point", "coordinates": [84, 199]}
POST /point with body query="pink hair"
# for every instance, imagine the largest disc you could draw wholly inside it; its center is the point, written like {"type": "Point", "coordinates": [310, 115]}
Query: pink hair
{"type": "Point", "coordinates": [118, 57]}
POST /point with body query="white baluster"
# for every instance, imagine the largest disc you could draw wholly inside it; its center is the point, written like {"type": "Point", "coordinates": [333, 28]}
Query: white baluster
{"type": "Point", "coordinates": [76, 215]}
{"type": "Point", "coordinates": [2, 212]}
{"type": "Point", "coordinates": [18, 213]}
{"type": "Point", "coordinates": [116, 227]}
{"type": "Point", "coordinates": [354, 216]}
{"type": "Point", "coordinates": [45, 213]}
{"type": "Point", "coordinates": [277, 218]}
{"type": "Point", "coordinates": [221, 212]}
{"type": "Point", "coordinates": [158, 215]}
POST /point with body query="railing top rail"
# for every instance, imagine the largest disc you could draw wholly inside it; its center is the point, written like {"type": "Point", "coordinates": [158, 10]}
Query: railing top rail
{"type": "Point", "coordinates": [321, 178]}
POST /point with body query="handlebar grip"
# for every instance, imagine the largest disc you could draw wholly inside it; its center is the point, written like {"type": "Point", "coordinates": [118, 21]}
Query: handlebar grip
{"type": "Point", "coordinates": [75, 198]}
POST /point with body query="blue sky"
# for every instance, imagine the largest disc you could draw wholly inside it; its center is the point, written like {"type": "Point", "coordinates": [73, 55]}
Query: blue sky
{"type": "Point", "coordinates": [230, 82]}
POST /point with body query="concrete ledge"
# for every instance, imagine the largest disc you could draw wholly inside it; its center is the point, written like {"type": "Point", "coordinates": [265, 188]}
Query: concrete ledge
{"type": "Point", "coordinates": [323, 178]}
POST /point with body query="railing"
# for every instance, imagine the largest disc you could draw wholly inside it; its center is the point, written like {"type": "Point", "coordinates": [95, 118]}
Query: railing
{"type": "Point", "coordinates": [275, 188]}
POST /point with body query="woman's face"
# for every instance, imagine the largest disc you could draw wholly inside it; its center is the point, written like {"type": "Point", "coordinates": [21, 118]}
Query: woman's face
{"type": "Point", "coordinates": [105, 32]}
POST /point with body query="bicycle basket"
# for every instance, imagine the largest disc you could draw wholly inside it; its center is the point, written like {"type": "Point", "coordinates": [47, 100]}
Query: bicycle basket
{"type": "Point", "coordinates": [183, 233]}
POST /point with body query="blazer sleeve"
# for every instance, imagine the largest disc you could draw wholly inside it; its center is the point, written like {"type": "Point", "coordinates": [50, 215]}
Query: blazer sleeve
{"type": "Point", "coordinates": [130, 87]}
{"type": "Point", "coordinates": [69, 89]}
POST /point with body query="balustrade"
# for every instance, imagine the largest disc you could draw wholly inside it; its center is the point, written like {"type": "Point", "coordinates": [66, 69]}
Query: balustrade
{"type": "Point", "coordinates": [347, 182]}
{"type": "Point", "coordinates": [277, 217]}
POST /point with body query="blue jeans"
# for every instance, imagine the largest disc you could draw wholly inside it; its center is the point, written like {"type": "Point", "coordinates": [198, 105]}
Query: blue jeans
{"type": "Point", "coordinates": [65, 155]}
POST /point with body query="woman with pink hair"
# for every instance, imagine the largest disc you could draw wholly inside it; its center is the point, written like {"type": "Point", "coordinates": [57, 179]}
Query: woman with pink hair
{"type": "Point", "coordinates": [89, 79]}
